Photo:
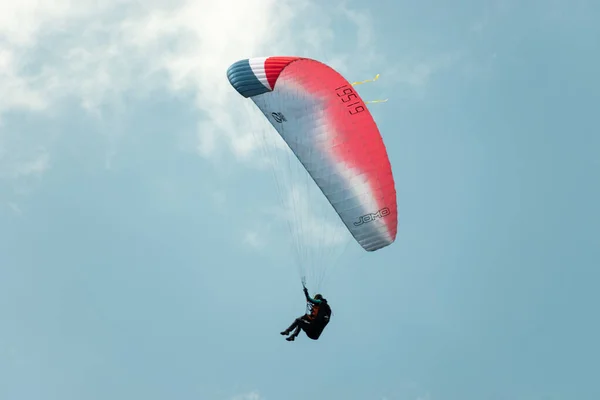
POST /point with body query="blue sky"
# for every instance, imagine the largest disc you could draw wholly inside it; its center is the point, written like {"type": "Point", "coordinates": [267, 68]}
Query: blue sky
{"type": "Point", "coordinates": [136, 260]}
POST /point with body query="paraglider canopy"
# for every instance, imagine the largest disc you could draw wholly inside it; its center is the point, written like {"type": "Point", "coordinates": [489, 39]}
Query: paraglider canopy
{"type": "Point", "coordinates": [329, 129]}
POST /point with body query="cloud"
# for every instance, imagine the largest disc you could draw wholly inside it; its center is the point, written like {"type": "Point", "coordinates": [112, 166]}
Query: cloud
{"type": "Point", "coordinates": [14, 208]}
{"type": "Point", "coordinates": [104, 57]}
{"type": "Point", "coordinates": [362, 20]}
{"type": "Point", "coordinates": [32, 163]}
{"type": "Point", "coordinates": [95, 53]}
{"type": "Point", "coordinates": [17, 90]}
{"type": "Point", "coordinates": [417, 72]}
{"type": "Point", "coordinates": [34, 73]}
{"type": "Point", "coordinates": [254, 395]}
{"type": "Point", "coordinates": [253, 239]}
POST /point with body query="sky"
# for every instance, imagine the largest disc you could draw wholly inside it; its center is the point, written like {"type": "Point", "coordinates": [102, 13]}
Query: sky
{"type": "Point", "coordinates": [140, 254]}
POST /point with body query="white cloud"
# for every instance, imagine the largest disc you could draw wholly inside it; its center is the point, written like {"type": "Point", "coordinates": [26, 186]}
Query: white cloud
{"type": "Point", "coordinates": [14, 166]}
{"type": "Point", "coordinates": [253, 239]}
{"type": "Point", "coordinates": [418, 72]}
{"type": "Point", "coordinates": [36, 166]}
{"type": "Point", "coordinates": [98, 52]}
{"type": "Point", "coordinates": [254, 395]}
{"type": "Point", "coordinates": [17, 91]}
{"type": "Point", "coordinates": [14, 207]}
{"type": "Point", "coordinates": [362, 20]}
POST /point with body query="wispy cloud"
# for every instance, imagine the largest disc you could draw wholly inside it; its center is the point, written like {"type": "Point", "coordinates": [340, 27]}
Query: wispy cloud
{"type": "Point", "coordinates": [417, 72]}
{"type": "Point", "coordinates": [97, 52]}
{"type": "Point", "coordinates": [21, 167]}
{"type": "Point", "coordinates": [17, 90]}
{"type": "Point", "coordinates": [14, 207]}
{"type": "Point", "coordinates": [15, 165]}
{"type": "Point", "coordinates": [254, 239]}
{"type": "Point", "coordinates": [254, 395]}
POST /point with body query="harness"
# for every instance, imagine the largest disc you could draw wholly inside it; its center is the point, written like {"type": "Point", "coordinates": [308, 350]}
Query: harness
{"type": "Point", "coordinates": [312, 310]}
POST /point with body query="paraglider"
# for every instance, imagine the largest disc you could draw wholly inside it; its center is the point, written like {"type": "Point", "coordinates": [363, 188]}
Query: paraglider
{"type": "Point", "coordinates": [314, 321]}
{"type": "Point", "coordinates": [330, 131]}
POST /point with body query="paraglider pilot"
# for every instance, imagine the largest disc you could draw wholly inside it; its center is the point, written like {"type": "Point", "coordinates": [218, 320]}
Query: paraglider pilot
{"type": "Point", "coordinates": [313, 322]}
